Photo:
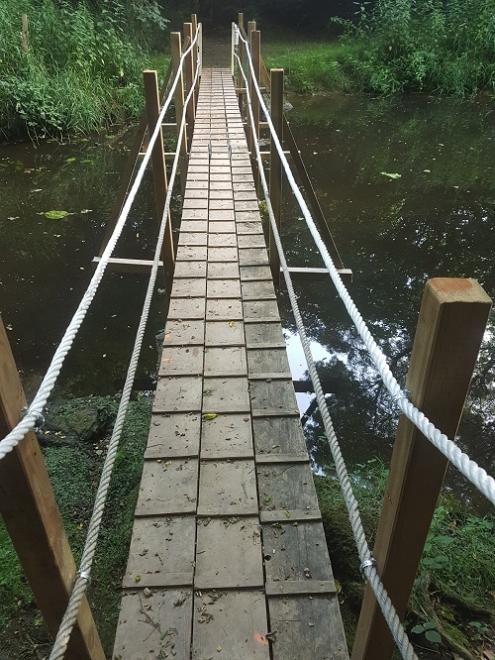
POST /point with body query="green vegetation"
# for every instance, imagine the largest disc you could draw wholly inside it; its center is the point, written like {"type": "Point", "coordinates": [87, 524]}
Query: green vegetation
{"type": "Point", "coordinates": [452, 605]}
{"type": "Point", "coordinates": [78, 69]}
{"type": "Point", "coordinates": [397, 46]}
{"type": "Point", "coordinates": [74, 439]}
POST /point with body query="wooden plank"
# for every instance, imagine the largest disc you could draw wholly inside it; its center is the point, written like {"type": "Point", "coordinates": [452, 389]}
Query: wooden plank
{"type": "Point", "coordinates": [225, 361]}
{"type": "Point", "coordinates": [272, 398]}
{"type": "Point", "coordinates": [174, 435]}
{"type": "Point", "coordinates": [287, 488]}
{"type": "Point", "coordinates": [307, 622]}
{"type": "Point", "coordinates": [120, 265]}
{"type": "Point", "coordinates": [226, 436]}
{"type": "Point", "coordinates": [227, 488]}
{"type": "Point", "coordinates": [278, 435]}
{"type": "Point", "coordinates": [297, 554]}
{"type": "Point", "coordinates": [450, 329]}
{"type": "Point", "coordinates": [230, 626]}
{"type": "Point", "coordinates": [161, 552]}
{"type": "Point", "coordinates": [168, 487]}
{"type": "Point", "coordinates": [228, 554]}
{"type": "Point", "coordinates": [226, 395]}
{"type": "Point", "coordinates": [33, 520]}
{"type": "Point", "coordinates": [155, 625]}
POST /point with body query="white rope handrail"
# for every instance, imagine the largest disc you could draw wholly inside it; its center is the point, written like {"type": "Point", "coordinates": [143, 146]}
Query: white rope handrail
{"type": "Point", "coordinates": [83, 576]}
{"type": "Point", "coordinates": [367, 563]}
{"type": "Point", "coordinates": [35, 409]}
{"type": "Point", "coordinates": [477, 475]}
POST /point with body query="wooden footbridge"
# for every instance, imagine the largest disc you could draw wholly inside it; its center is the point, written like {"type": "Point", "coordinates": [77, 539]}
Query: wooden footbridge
{"type": "Point", "coordinates": [228, 534]}
{"type": "Point", "coordinates": [228, 557]}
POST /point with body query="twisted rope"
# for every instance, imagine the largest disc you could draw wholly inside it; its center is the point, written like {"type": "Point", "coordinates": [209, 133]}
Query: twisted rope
{"type": "Point", "coordinates": [367, 562]}
{"type": "Point", "coordinates": [84, 573]}
{"type": "Point", "coordinates": [477, 475]}
{"type": "Point", "coordinates": [35, 410]}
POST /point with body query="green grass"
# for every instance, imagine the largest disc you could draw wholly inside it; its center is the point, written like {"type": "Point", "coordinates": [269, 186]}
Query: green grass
{"type": "Point", "coordinates": [310, 66]}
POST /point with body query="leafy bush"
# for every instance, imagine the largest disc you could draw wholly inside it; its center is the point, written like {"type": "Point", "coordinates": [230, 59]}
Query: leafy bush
{"type": "Point", "coordinates": [82, 66]}
{"type": "Point", "coordinates": [422, 45]}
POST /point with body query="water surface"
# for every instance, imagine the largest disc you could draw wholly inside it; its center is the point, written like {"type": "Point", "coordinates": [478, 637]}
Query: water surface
{"type": "Point", "coordinates": [435, 219]}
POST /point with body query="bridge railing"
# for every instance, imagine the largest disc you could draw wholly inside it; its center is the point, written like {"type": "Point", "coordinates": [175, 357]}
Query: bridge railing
{"type": "Point", "coordinates": [450, 330]}
{"type": "Point", "coordinates": [27, 501]}
{"type": "Point", "coordinates": [272, 84]}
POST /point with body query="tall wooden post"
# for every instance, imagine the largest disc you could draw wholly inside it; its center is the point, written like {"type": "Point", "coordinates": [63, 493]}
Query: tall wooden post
{"type": "Point", "coordinates": [255, 46]}
{"type": "Point", "coordinates": [188, 79]}
{"type": "Point", "coordinates": [176, 53]}
{"type": "Point", "coordinates": [277, 114]}
{"type": "Point", "coordinates": [24, 33]}
{"type": "Point", "coordinates": [194, 23]}
{"type": "Point", "coordinates": [33, 520]}
{"type": "Point", "coordinates": [240, 20]}
{"type": "Point", "coordinates": [160, 184]}
{"type": "Point", "coordinates": [451, 324]}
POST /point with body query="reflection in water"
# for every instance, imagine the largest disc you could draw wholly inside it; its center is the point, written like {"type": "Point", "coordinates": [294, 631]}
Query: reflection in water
{"type": "Point", "coordinates": [436, 219]}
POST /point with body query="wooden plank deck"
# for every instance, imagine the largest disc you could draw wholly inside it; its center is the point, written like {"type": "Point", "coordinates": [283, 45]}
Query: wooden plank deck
{"type": "Point", "coordinates": [228, 543]}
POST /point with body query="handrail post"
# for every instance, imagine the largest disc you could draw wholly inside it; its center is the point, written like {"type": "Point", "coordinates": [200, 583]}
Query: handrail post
{"type": "Point", "coordinates": [176, 53]}
{"type": "Point", "coordinates": [277, 114]}
{"type": "Point", "coordinates": [255, 47]}
{"type": "Point", "coordinates": [450, 328]}
{"type": "Point", "coordinates": [160, 184]}
{"type": "Point", "coordinates": [33, 520]}
{"type": "Point", "coordinates": [240, 20]}
{"type": "Point", "coordinates": [194, 23]}
{"type": "Point", "coordinates": [189, 77]}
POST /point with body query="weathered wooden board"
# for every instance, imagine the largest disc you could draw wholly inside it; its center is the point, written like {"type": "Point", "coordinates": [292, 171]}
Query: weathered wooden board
{"type": "Point", "coordinates": [307, 627]}
{"type": "Point", "coordinates": [230, 626]}
{"type": "Point", "coordinates": [174, 435]}
{"type": "Point", "coordinates": [228, 553]}
{"type": "Point", "coordinates": [154, 626]}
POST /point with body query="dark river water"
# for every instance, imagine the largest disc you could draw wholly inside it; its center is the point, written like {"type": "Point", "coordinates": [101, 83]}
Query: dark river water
{"type": "Point", "coordinates": [435, 219]}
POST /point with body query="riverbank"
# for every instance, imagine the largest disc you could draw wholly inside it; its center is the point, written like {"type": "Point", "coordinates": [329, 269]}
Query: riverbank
{"type": "Point", "coordinates": [396, 46]}
{"type": "Point", "coordinates": [451, 608]}
{"type": "Point", "coordinates": [68, 70]}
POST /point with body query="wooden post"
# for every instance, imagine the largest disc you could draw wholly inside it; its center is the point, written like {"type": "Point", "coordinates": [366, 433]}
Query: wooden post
{"type": "Point", "coordinates": [277, 114]}
{"type": "Point", "coordinates": [255, 46]}
{"type": "Point", "coordinates": [24, 33]}
{"type": "Point", "coordinates": [240, 20]}
{"type": "Point", "coordinates": [176, 53]}
{"type": "Point", "coordinates": [152, 108]}
{"type": "Point", "coordinates": [194, 23]}
{"type": "Point", "coordinates": [188, 79]}
{"type": "Point", "coordinates": [33, 520]}
{"type": "Point", "coordinates": [451, 324]}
